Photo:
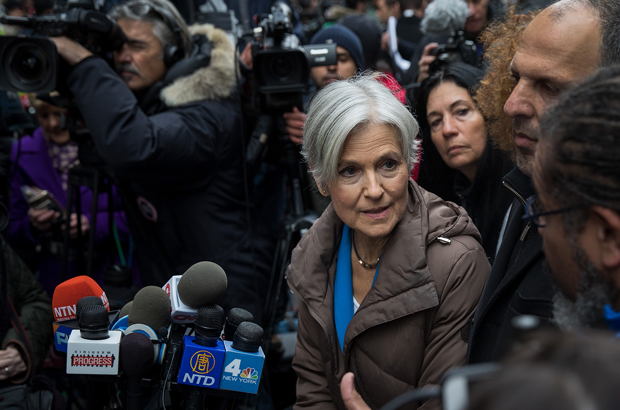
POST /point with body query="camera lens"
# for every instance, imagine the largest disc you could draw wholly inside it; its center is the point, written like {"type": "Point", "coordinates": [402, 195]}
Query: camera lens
{"type": "Point", "coordinates": [27, 62]}
{"type": "Point", "coordinates": [282, 67]}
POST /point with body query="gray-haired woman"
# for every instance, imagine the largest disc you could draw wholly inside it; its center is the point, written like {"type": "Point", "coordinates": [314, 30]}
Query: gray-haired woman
{"type": "Point", "coordinates": [389, 276]}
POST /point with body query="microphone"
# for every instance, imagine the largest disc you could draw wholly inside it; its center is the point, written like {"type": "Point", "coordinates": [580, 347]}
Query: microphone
{"type": "Point", "coordinates": [136, 359]}
{"type": "Point", "coordinates": [86, 301]}
{"type": "Point", "coordinates": [123, 318]}
{"type": "Point", "coordinates": [150, 307]}
{"type": "Point", "coordinates": [244, 360]}
{"type": "Point", "coordinates": [203, 354]}
{"type": "Point", "coordinates": [445, 17]}
{"type": "Point", "coordinates": [93, 349]}
{"type": "Point", "coordinates": [64, 302]}
{"type": "Point", "coordinates": [202, 284]}
{"type": "Point", "coordinates": [126, 309]}
{"type": "Point", "coordinates": [67, 294]}
{"type": "Point", "coordinates": [150, 311]}
{"type": "Point", "coordinates": [236, 316]}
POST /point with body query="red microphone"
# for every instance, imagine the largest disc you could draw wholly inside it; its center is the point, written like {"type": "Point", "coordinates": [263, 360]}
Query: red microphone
{"type": "Point", "coordinates": [67, 294]}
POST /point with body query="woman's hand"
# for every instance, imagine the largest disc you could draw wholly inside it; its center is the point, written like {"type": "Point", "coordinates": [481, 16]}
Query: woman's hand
{"type": "Point", "coordinates": [350, 396]}
{"type": "Point", "coordinates": [426, 60]}
{"type": "Point", "coordinates": [42, 219]}
{"type": "Point", "coordinates": [11, 363]}
{"type": "Point", "coordinates": [73, 230]}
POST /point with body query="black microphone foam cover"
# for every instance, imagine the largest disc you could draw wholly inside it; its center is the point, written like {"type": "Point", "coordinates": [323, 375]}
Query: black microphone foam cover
{"type": "Point", "coordinates": [86, 301]}
{"type": "Point", "coordinates": [136, 354]}
{"type": "Point", "coordinates": [202, 284]}
{"type": "Point", "coordinates": [94, 322]}
{"type": "Point", "coordinates": [209, 321]}
{"type": "Point", "coordinates": [248, 337]}
{"type": "Point", "coordinates": [126, 309]}
{"type": "Point", "coordinates": [236, 316]}
{"type": "Point", "coordinates": [151, 307]}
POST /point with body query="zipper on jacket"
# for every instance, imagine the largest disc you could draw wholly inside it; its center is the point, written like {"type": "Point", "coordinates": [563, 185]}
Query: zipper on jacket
{"type": "Point", "coordinates": [511, 189]}
{"type": "Point", "coordinates": [525, 231]}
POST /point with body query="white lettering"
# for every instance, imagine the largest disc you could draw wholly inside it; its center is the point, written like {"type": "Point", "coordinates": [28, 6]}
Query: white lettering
{"type": "Point", "coordinates": [189, 378]}
{"type": "Point", "coordinates": [198, 379]}
{"type": "Point", "coordinates": [209, 381]}
{"type": "Point", "coordinates": [316, 51]}
{"type": "Point", "coordinates": [71, 310]}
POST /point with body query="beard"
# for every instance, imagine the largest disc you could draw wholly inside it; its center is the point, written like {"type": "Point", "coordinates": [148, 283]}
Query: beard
{"type": "Point", "coordinates": [525, 157]}
{"type": "Point", "coordinates": [594, 291]}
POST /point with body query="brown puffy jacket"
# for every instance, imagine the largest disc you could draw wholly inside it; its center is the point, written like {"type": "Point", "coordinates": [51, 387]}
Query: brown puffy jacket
{"type": "Point", "coordinates": [411, 327]}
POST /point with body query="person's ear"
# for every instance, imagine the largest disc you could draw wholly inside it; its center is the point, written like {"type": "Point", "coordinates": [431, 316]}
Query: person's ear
{"type": "Point", "coordinates": [322, 187]}
{"type": "Point", "coordinates": [608, 236]}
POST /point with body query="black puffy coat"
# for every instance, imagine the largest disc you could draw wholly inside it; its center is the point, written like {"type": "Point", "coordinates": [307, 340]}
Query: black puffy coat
{"type": "Point", "coordinates": [177, 155]}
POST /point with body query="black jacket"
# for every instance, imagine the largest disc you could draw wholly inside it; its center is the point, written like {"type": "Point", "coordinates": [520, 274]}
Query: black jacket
{"type": "Point", "coordinates": [517, 285]}
{"type": "Point", "coordinates": [34, 308]}
{"type": "Point", "coordinates": [178, 157]}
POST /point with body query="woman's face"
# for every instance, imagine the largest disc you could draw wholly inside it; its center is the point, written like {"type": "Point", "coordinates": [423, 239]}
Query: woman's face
{"type": "Point", "coordinates": [370, 193]}
{"type": "Point", "coordinates": [457, 127]}
{"type": "Point", "coordinates": [50, 118]}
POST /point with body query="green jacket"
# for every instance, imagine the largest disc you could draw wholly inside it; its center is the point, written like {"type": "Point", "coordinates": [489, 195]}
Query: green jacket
{"type": "Point", "coordinates": [34, 308]}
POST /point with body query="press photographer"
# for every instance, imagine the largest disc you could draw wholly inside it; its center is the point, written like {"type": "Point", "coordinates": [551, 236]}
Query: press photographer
{"type": "Point", "coordinates": [168, 123]}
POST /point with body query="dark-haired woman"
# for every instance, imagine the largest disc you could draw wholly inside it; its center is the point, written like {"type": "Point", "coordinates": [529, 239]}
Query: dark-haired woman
{"type": "Point", "coordinates": [459, 162]}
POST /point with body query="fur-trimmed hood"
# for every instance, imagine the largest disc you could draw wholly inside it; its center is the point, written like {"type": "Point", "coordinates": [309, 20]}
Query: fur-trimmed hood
{"type": "Point", "coordinates": [213, 82]}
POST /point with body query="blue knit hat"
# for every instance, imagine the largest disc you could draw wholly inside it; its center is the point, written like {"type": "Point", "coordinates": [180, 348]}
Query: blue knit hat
{"type": "Point", "coordinates": [343, 37]}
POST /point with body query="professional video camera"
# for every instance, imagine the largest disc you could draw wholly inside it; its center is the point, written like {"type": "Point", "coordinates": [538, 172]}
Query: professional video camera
{"type": "Point", "coordinates": [281, 65]}
{"type": "Point", "coordinates": [456, 49]}
{"type": "Point", "coordinates": [30, 62]}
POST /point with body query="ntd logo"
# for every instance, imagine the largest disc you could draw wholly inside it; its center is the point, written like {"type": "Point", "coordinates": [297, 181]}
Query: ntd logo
{"type": "Point", "coordinates": [202, 362]}
{"type": "Point", "coordinates": [201, 365]}
{"type": "Point", "coordinates": [198, 380]}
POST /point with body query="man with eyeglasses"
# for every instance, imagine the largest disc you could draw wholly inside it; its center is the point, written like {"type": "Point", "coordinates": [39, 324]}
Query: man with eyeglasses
{"type": "Point", "coordinates": [168, 122]}
{"type": "Point", "coordinates": [577, 209]}
{"type": "Point", "coordinates": [562, 46]}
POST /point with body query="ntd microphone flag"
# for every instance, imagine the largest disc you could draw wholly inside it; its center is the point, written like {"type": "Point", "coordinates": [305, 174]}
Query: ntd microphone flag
{"type": "Point", "coordinates": [242, 370]}
{"type": "Point", "coordinates": [201, 366]}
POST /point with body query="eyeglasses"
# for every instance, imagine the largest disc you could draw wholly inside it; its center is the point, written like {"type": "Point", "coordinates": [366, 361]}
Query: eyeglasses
{"type": "Point", "coordinates": [535, 214]}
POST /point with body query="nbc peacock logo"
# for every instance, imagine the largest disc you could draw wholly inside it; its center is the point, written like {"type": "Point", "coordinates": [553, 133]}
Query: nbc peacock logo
{"type": "Point", "coordinates": [249, 373]}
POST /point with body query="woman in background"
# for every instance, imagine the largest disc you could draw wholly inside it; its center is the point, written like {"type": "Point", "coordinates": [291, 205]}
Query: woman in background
{"type": "Point", "coordinates": [459, 161]}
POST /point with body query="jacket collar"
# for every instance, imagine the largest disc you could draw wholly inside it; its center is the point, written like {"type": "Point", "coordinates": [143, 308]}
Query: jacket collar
{"type": "Point", "coordinates": [519, 184]}
{"type": "Point", "coordinates": [190, 80]}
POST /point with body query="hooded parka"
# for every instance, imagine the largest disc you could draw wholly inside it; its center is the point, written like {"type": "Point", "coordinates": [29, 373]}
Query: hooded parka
{"type": "Point", "coordinates": [412, 325]}
{"type": "Point", "coordinates": [177, 155]}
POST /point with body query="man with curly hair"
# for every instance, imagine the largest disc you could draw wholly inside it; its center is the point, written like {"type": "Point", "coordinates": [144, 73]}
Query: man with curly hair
{"type": "Point", "coordinates": [562, 46]}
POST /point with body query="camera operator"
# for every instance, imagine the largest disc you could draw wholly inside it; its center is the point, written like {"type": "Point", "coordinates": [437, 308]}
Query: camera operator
{"type": "Point", "coordinates": [172, 135]}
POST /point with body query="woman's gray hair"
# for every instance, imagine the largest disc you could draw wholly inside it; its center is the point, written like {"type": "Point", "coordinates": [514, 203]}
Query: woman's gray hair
{"type": "Point", "coordinates": [161, 28]}
{"type": "Point", "coordinates": [346, 107]}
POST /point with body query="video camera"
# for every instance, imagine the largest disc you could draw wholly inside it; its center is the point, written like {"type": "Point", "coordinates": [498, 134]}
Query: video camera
{"type": "Point", "coordinates": [456, 49]}
{"type": "Point", "coordinates": [30, 62]}
{"type": "Point", "coordinates": [281, 64]}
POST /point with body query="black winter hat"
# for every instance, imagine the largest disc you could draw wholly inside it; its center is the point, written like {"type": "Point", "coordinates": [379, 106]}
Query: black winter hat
{"type": "Point", "coordinates": [343, 37]}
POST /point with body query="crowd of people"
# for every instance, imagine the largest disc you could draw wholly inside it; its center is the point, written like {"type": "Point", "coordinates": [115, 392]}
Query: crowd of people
{"type": "Point", "coordinates": [450, 197]}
